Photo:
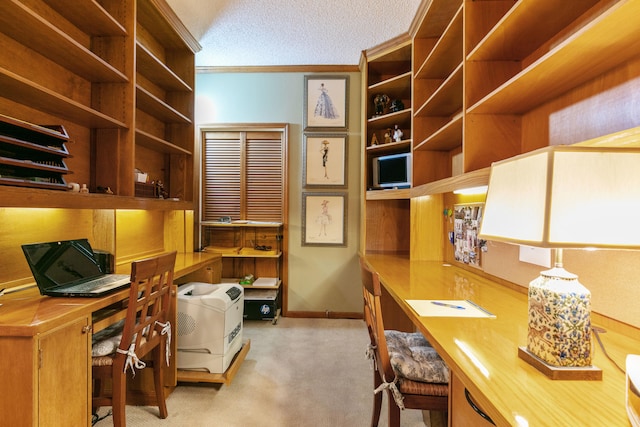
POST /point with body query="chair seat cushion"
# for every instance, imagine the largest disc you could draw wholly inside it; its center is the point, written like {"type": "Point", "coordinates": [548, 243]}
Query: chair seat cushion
{"type": "Point", "coordinates": [413, 358]}
{"type": "Point", "coordinates": [106, 341]}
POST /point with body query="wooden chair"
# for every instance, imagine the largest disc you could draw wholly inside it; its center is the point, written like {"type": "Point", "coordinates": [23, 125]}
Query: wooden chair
{"type": "Point", "coordinates": [146, 330]}
{"type": "Point", "coordinates": [410, 383]}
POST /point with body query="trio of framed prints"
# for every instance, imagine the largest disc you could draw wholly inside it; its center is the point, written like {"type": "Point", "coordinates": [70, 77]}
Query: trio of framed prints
{"type": "Point", "coordinates": [324, 160]}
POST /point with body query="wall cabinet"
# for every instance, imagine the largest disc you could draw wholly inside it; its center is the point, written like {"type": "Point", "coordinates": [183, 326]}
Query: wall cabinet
{"type": "Point", "coordinates": [118, 75]}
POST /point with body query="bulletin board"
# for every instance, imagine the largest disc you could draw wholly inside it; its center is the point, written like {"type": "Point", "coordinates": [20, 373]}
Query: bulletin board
{"type": "Point", "coordinates": [466, 226]}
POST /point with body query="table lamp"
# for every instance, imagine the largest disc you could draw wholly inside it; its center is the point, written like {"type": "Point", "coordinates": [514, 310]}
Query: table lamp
{"type": "Point", "coordinates": [563, 197]}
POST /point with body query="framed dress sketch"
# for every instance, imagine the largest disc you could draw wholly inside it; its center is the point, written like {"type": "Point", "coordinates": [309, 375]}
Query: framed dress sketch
{"type": "Point", "coordinates": [326, 102]}
{"type": "Point", "coordinates": [324, 160]}
{"type": "Point", "coordinates": [324, 219]}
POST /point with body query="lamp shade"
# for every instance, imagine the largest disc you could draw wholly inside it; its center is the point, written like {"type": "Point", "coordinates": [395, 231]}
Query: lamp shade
{"type": "Point", "coordinates": [565, 197]}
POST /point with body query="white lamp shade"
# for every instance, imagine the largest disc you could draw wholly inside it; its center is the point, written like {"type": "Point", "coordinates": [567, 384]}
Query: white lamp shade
{"type": "Point", "coordinates": [565, 197]}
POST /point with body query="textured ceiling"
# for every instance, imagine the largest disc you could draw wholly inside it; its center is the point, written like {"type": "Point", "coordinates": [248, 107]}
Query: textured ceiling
{"type": "Point", "coordinates": [291, 32]}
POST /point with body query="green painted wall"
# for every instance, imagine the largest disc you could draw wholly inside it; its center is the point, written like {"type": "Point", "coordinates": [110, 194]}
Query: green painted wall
{"type": "Point", "coordinates": [321, 279]}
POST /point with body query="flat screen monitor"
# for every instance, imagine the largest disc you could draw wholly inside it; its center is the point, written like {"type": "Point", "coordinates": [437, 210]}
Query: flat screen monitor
{"type": "Point", "coordinates": [392, 171]}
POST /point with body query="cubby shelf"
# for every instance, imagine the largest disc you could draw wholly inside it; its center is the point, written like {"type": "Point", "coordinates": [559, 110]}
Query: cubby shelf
{"type": "Point", "coordinates": [447, 99]}
{"type": "Point", "coordinates": [27, 27]}
{"type": "Point", "coordinates": [446, 138]}
{"type": "Point", "coordinates": [100, 24]}
{"type": "Point", "coordinates": [397, 87]}
{"type": "Point", "coordinates": [446, 55]}
{"type": "Point", "coordinates": [156, 71]}
{"type": "Point", "coordinates": [591, 50]}
{"type": "Point", "coordinates": [155, 106]}
{"type": "Point", "coordinates": [388, 120]}
{"type": "Point", "coordinates": [158, 144]}
{"type": "Point", "coordinates": [27, 92]}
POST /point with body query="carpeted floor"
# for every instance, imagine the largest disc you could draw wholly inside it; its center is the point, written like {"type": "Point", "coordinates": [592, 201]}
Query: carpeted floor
{"type": "Point", "coordinates": [298, 373]}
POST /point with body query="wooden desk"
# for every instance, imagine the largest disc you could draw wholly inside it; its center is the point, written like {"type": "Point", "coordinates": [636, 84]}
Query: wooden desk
{"type": "Point", "coordinates": [45, 349]}
{"type": "Point", "coordinates": [483, 356]}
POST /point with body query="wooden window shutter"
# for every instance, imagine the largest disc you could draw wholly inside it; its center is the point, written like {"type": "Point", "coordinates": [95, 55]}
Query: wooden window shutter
{"type": "Point", "coordinates": [243, 175]}
{"type": "Point", "coordinates": [264, 176]}
{"type": "Point", "coordinates": [221, 175]}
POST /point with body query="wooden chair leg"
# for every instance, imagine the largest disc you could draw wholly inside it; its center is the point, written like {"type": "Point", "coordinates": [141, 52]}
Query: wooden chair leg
{"type": "Point", "coordinates": [119, 398]}
{"type": "Point", "coordinates": [97, 391]}
{"type": "Point", "coordinates": [158, 376]}
{"type": "Point", "coordinates": [394, 411]}
{"type": "Point", "coordinates": [377, 400]}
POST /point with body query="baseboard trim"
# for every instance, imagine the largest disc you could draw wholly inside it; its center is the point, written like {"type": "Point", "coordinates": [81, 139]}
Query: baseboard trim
{"type": "Point", "coordinates": [324, 314]}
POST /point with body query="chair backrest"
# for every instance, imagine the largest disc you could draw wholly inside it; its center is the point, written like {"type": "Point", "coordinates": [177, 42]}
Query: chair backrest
{"type": "Point", "coordinates": [149, 300]}
{"type": "Point", "coordinates": [371, 291]}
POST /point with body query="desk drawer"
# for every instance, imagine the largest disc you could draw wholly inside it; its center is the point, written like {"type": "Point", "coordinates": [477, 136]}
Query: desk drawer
{"type": "Point", "coordinates": [464, 410]}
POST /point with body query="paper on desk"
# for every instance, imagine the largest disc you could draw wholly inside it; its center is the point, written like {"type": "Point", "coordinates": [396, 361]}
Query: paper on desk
{"type": "Point", "coordinates": [265, 281]}
{"type": "Point", "coordinates": [427, 308]}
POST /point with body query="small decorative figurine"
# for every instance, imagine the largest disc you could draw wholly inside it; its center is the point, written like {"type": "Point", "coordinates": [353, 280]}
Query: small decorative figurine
{"type": "Point", "coordinates": [397, 134]}
{"type": "Point", "coordinates": [396, 105]}
{"type": "Point", "coordinates": [387, 136]}
{"type": "Point", "coordinates": [374, 140]}
{"type": "Point", "coordinates": [380, 102]}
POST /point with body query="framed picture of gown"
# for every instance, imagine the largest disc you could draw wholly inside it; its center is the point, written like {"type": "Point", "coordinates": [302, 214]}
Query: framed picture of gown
{"type": "Point", "coordinates": [325, 160]}
{"type": "Point", "coordinates": [324, 219]}
{"type": "Point", "coordinates": [326, 103]}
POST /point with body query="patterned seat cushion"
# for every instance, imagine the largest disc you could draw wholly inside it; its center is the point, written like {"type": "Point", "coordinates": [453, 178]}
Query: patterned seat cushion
{"type": "Point", "coordinates": [412, 357]}
{"type": "Point", "coordinates": [106, 341]}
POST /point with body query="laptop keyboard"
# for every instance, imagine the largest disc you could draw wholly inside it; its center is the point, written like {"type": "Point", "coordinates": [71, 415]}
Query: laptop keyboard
{"type": "Point", "coordinates": [94, 285]}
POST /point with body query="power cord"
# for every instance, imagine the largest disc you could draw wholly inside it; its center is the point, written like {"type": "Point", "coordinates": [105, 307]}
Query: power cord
{"type": "Point", "coordinates": [597, 331]}
{"type": "Point", "coordinates": [95, 417]}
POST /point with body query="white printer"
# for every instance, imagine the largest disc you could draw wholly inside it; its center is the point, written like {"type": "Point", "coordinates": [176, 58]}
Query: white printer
{"type": "Point", "coordinates": [209, 325]}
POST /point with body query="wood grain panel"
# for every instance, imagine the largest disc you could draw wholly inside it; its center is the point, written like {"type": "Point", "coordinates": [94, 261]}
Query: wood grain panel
{"type": "Point", "coordinates": [426, 228]}
{"type": "Point", "coordinates": [386, 227]}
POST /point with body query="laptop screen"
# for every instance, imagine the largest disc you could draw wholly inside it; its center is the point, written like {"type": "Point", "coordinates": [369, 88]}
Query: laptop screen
{"type": "Point", "coordinates": [60, 263]}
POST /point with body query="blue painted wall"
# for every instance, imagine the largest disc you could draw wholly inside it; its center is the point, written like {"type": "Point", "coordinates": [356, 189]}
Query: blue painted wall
{"type": "Point", "coordinates": [321, 279]}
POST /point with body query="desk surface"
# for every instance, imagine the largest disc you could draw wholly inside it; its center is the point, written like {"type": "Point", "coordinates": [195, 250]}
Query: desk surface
{"type": "Point", "coordinates": [26, 313]}
{"type": "Point", "coordinates": [483, 352]}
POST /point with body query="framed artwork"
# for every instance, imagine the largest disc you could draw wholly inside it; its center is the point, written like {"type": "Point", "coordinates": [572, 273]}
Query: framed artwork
{"type": "Point", "coordinates": [324, 219]}
{"type": "Point", "coordinates": [325, 102]}
{"type": "Point", "coordinates": [466, 226]}
{"type": "Point", "coordinates": [324, 161]}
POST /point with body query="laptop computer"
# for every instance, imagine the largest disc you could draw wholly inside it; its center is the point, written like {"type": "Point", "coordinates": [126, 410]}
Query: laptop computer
{"type": "Point", "coordinates": [69, 269]}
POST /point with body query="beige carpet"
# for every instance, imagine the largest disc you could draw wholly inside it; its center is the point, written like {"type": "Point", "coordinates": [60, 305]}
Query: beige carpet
{"type": "Point", "coordinates": [298, 373]}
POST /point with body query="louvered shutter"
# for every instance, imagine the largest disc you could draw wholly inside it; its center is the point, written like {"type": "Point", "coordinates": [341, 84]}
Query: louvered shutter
{"type": "Point", "coordinates": [243, 175]}
{"type": "Point", "coordinates": [264, 176]}
{"type": "Point", "coordinates": [221, 175]}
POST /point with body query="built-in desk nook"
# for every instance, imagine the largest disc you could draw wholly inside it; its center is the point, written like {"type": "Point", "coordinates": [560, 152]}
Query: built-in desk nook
{"type": "Point", "coordinates": [45, 344]}
{"type": "Point", "coordinates": [482, 353]}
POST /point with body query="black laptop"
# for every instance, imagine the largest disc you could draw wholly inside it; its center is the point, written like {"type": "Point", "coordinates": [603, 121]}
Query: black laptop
{"type": "Point", "coordinates": [69, 269]}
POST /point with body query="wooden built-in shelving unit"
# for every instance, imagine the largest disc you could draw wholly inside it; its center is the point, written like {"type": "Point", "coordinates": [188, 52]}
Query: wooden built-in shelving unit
{"type": "Point", "coordinates": [491, 80]}
{"type": "Point", "coordinates": [119, 76]}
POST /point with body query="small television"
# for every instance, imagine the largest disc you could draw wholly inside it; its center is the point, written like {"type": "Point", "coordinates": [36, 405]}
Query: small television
{"type": "Point", "coordinates": [392, 171]}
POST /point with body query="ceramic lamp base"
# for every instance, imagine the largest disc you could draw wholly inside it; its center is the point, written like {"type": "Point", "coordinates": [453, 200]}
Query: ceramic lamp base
{"type": "Point", "coordinates": [560, 319]}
